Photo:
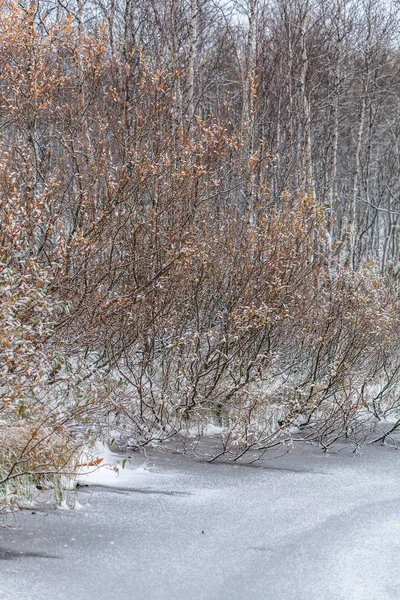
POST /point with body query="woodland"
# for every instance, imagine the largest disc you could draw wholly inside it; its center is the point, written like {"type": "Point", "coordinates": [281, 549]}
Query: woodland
{"type": "Point", "coordinates": [199, 227]}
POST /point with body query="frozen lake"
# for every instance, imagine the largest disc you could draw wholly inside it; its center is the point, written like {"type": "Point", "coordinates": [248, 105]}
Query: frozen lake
{"type": "Point", "coordinates": [305, 526]}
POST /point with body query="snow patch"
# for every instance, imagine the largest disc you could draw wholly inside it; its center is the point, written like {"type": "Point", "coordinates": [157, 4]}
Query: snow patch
{"type": "Point", "coordinates": [206, 430]}
{"type": "Point", "coordinates": [104, 467]}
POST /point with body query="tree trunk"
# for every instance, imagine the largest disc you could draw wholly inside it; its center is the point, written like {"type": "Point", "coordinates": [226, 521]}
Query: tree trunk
{"type": "Point", "coordinates": [191, 61]}
{"type": "Point", "coordinates": [306, 158]}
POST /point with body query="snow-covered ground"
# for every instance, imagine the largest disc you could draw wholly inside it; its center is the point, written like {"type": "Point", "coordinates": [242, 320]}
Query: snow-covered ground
{"type": "Point", "coordinates": [305, 526]}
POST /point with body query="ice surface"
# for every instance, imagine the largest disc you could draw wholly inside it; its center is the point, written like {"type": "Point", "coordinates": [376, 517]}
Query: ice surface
{"type": "Point", "coordinates": [305, 526]}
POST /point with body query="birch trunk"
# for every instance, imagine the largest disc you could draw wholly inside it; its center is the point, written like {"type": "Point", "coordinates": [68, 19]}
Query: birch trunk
{"type": "Point", "coordinates": [246, 123]}
{"type": "Point", "coordinates": [335, 117]}
{"type": "Point", "coordinates": [248, 80]}
{"type": "Point", "coordinates": [191, 61]}
{"type": "Point", "coordinates": [357, 154]}
{"type": "Point", "coordinates": [306, 158]}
